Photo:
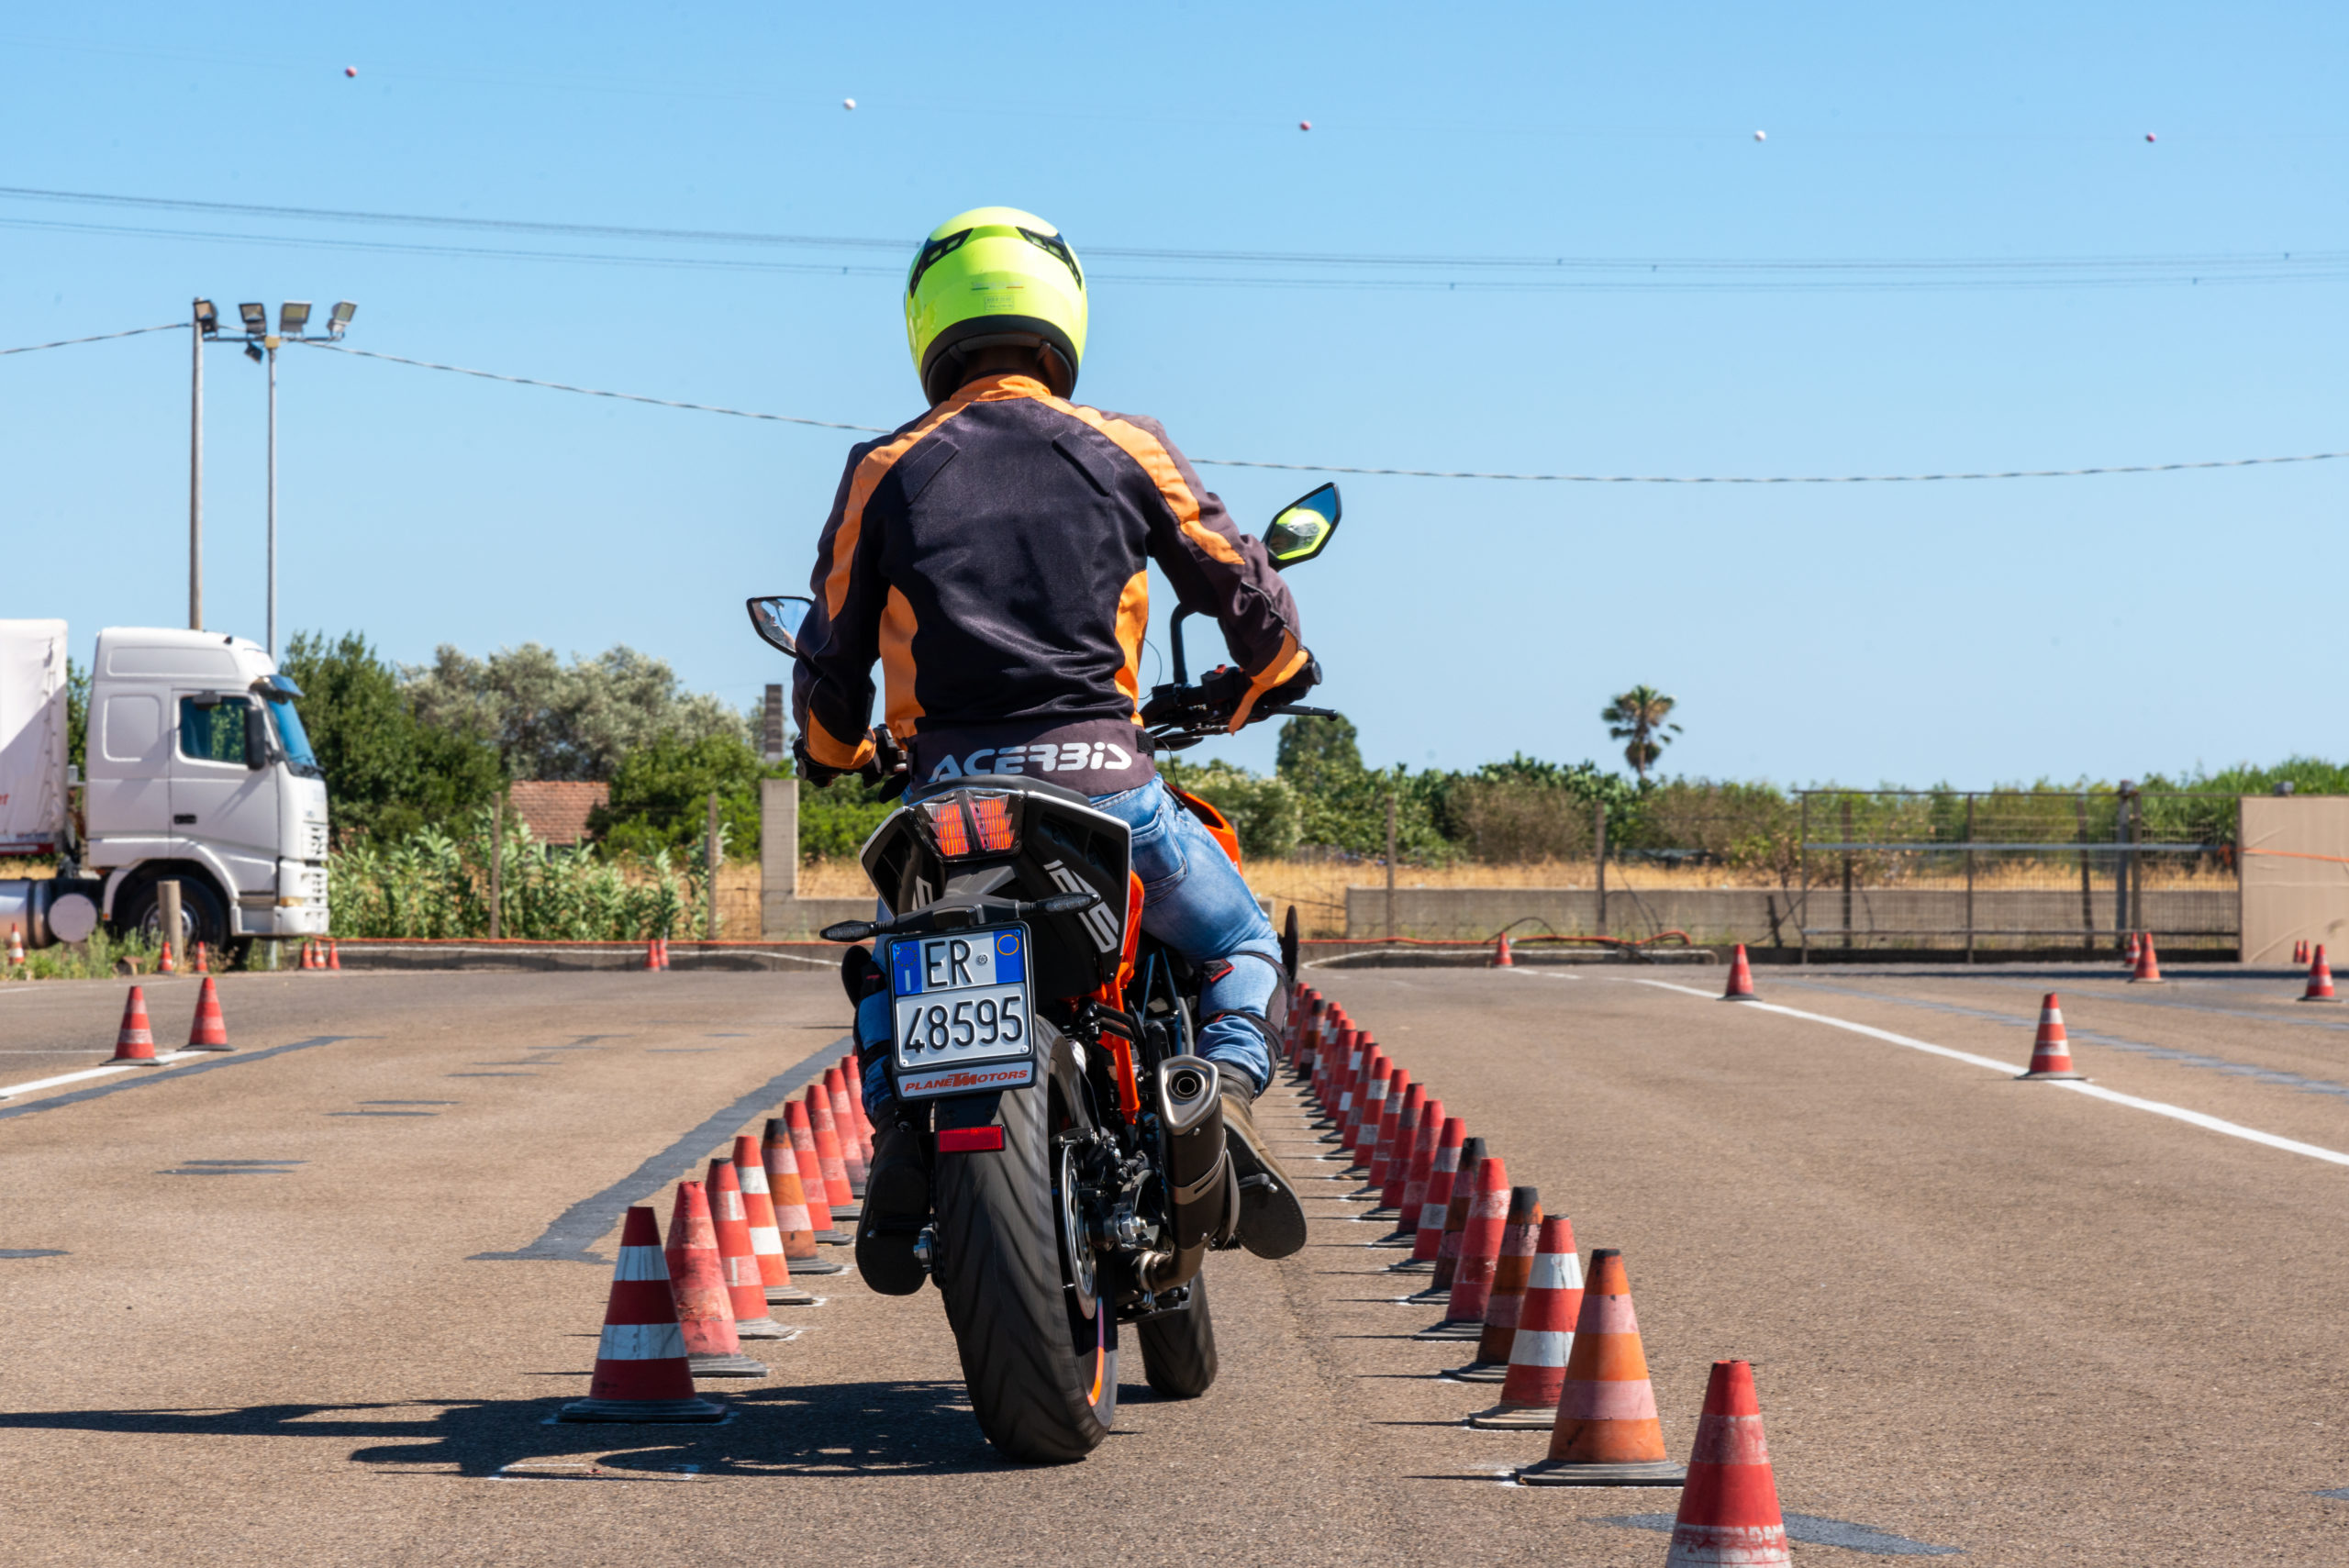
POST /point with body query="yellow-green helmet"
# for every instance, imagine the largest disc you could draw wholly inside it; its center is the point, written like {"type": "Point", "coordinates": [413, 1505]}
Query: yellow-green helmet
{"type": "Point", "coordinates": [992, 276]}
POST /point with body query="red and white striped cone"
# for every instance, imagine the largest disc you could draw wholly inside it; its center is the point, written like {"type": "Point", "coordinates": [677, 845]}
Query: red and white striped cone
{"type": "Point", "coordinates": [305, 961]}
{"type": "Point", "coordinates": [651, 953]}
{"type": "Point", "coordinates": [1395, 1160]}
{"type": "Point", "coordinates": [854, 1080]}
{"type": "Point", "coordinates": [208, 1031]}
{"type": "Point", "coordinates": [334, 955]}
{"type": "Point", "coordinates": [1455, 1221]}
{"type": "Point", "coordinates": [2299, 949]}
{"type": "Point", "coordinates": [2320, 979]}
{"type": "Point", "coordinates": [1478, 1257]}
{"type": "Point", "coordinates": [203, 965]}
{"type": "Point", "coordinates": [1729, 1508]}
{"type": "Point", "coordinates": [2149, 966]}
{"type": "Point", "coordinates": [791, 1216]}
{"type": "Point", "coordinates": [766, 1236]}
{"type": "Point", "coordinates": [829, 1158]}
{"type": "Point", "coordinates": [844, 1128]}
{"type": "Point", "coordinates": [134, 1041]}
{"type": "Point", "coordinates": [641, 1373]}
{"type": "Point", "coordinates": [1511, 1273]}
{"type": "Point", "coordinates": [1741, 978]}
{"type": "Point", "coordinates": [698, 1283]}
{"type": "Point", "coordinates": [1501, 959]}
{"type": "Point", "coordinates": [2129, 952]}
{"type": "Point", "coordinates": [164, 962]}
{"type": "Point", "coordinates": [811, 1173]}
{"type": "Point", "coordinates": [1378, 1077]}
{"type": "Point", "coordinates": [1421, 1164]}
{"type": "Point", "coordinates": [2051, 1048]}
{"type": "Point", "coordinates": [1545, 1335]}
{"type": "Point", "coordinates": [1346, 1060]}
{"type": "Point", "coordinates": [738, 1256]}
{"type": "Point", "coordinates": [1382, 1141]}
{"type": "Point", "coordinates": [1427, 1243]}
{"type": "Point", "coordinates": [16, 946]}
{"type": "Point", "coordinates": [1606, 1433]}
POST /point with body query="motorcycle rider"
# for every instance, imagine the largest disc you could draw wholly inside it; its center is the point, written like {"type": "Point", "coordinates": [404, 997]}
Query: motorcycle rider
{"type": "Point", "coordinates": [993, 556]}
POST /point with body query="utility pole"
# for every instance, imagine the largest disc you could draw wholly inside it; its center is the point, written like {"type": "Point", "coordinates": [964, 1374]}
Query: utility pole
{"type": "Point", "coordinates": [271, 343]}
{"type": "Point", "coordinates": [1599, 847]}
{"type": "Point", "coordinates": [1390, 868]}
{"type": "Point", "coordinates": [709, 858]}
{"type": "Point", "coordinates": [204, 324]}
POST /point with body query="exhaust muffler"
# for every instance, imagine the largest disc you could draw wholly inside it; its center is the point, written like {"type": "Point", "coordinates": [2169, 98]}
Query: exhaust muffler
{"type": "Point", "coordinates": [1203, 1190]}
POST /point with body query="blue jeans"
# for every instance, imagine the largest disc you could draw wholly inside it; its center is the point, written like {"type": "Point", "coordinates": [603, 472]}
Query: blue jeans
{"type": "Point", "coordinates": [1195, 902]}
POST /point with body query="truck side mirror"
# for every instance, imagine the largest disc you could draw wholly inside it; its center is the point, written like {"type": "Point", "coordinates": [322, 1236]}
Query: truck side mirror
{"type": "Point", "coordinates": [256, 739]}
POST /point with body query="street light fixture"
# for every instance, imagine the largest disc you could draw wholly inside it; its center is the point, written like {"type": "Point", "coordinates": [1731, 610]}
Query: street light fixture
{"type": "Point", "coordinates": [343, 311]}
{"type": "Point", "coordinates": [292, 318]}
{"type": "Point", "coordinates": [256, 318]}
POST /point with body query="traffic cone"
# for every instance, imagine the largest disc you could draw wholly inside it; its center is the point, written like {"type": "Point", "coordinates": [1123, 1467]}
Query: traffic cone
{"type": "Point", "coordinates": [164, 962]}
{"type": "Point", "coordinates": [1370, 1062]}
{"type": "Point", "coordinates": [829, 1158]}
{"type": "Point", "coordinates": [853, 1079]}
{"type": "Point", "coordinates": [1378, 1079]}
{"type": "Point", "coordinates": [1435, 1249]}
{"type": "Point", "coordinates": [1415, 1172]}
{"type": "Point", "coordinates": [697, 1280]}
{"type": "Point", "coordinates": [1729, 1508]}
{"type": "Point", "coordinates": [791, 1216]}
{"type": "Point", "coordinates": [1382, 1139]}
{"type": "Point", "coordinates": [16, 946]}
{"type": "Point", "coordinates": [1545, 1333]}
{"type": "Point", "coordinates": [664, 954]}
{"type": "Point", "coordinates": [209, 1031]}
{"type": "Point", "coordinates": [134, 1041]}
{"type": "Point", "coordinates": [738, 1258]}
{"type": "Point", "coordinates": [844, 1128]}
{"type": "Point", "coordinates": [1478, 1254]}
{"type": "Point", "coordinates": [1606, 1433]}
{"type": "Point", "coordinates": [2149, 967]}
{"type": "Point", "coordinates": [811, 1173]}
{"type": "Point", "coordinates": [2129, 952]}
{"type": "Point", "coordinates": [651, 953]}
{"type": "Point", "coordinates": [1511, 1275]}
{"type": "Point", "coordinates": [1426, 1240]}
{"type": "Point", "coordinates": [641, 1373]}
{"type": "Point", "coordinates": [2320, 979]}
{"type": "Point", "coordinates": [766, 1236]}
{"type": "Point", "coordinates": [1394, 1161]}
{"type": "Point", "coordinates": [1501, 959]}
{"type": "Point", "coordinates": [334, 955]}
{"type": "Point", "coordinates": [1741, 978]}
{"type": "Point", "coordinates": [308, 956]}
{"type": "Point", "coordinates": [2051, 1048]}
{"type": "Point", "coordinates": [2299, 949]}
{"type": "Point", "coordinates": [203, 961]}
{"type": "Point", "coordinates": [1348, 1063]}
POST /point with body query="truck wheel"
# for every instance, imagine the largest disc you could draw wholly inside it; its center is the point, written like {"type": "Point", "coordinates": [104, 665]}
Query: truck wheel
{"type": "Point", "coordinates": [140, 912]}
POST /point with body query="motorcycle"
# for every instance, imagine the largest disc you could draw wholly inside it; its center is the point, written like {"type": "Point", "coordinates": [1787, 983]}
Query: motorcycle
{"type": "Point", "coordinates": [1042, 1050]}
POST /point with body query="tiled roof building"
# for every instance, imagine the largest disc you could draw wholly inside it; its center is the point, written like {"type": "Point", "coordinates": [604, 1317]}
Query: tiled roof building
{"type": "Point", "coordinates": [556, 809]}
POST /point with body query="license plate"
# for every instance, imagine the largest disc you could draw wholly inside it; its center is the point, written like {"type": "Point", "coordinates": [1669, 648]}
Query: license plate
{"type": "Point", "coordinates": [960, 1000]}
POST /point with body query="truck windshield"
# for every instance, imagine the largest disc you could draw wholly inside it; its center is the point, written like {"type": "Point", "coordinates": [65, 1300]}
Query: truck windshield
{"type": "Point", "coordinates": [292, 738]}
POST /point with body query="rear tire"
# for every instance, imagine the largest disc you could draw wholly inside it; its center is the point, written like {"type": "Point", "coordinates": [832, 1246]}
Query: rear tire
{"type": "Point", "coordinates": [1179, 1349]}
{"type": "Point", "coordinates": [203, 917]}
{"type": "Point", "coordinates": [1042, 1373]}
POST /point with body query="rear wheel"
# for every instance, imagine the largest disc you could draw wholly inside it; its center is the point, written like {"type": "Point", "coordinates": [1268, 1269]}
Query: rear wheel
{"type": "Point", "coordinates": [1179, 1349]}
{"type": "Point", "coordinates": [1040, 1357]}
{"type": "Point", "coordinates": [203, 917]}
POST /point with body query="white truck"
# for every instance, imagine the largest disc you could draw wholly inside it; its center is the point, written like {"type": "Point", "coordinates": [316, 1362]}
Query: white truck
{"type": "Point", "coordinates": [197, 770]}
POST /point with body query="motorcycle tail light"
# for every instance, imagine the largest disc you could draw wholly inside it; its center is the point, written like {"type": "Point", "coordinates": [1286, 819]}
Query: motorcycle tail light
{"type": "Point", "coordinates": [992, 814]}
{"type": "Point", "coordinates": [972, 823]}
{"type": "Point", "coordinates": [947, 828]}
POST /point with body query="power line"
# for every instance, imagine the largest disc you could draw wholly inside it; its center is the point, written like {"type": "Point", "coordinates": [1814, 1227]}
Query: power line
{"type": "Point", "coordinates": [1398, 473]}
{"type": "Point", "coordinates": [69, 342]}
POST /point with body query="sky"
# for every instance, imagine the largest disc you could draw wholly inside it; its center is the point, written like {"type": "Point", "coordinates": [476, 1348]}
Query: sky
{"type": "Point", "coordinates": [2062, 237]}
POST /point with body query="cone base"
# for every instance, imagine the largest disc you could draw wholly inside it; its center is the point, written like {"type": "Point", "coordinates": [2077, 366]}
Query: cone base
{"type": "Point", "coordinates": [1477, 1371]}
{"type": "Point", "coordinates": [1448, 1330]}
{"type": "Point", "coordinates": [2146, 980]}
{"type": "Point", "coordinates": [1516, 1418]}
{"type": "Point", "coordinates": [1563, 1472]}
{"type": "Point", "coordinates": [207, 1048]}
{"type": "Point", "coordinates": [727, 1366]}
{"type": "Point", "coordinates": [2065, 1075]}
{"type": "Point", "coordinates": [1399, 1238]}
{"type": "Point", "coordinates": [816, 1266]}
{"type": "Point", "coordinates": [791, 1295]}
{"type": "Point", "coordinates": [133, 1062]}
{"type": "Point", "coordinates": [833, 1238]}
{"type": "Point", "coordinates": [665, 1412]}
{"type": "Point", "coordinates": [1412, 1266]}
{"type": "Point", "coordinates": [1383, 1211]}
{"type": "Point", "coordinates": [760, 1329]}
{"type": "Point", "coordinates": [2329, 1001]}
{"type": "Point", "coordinates": [1430, 1296]}
{"type": "Point", "coordinates": [1742, 996]}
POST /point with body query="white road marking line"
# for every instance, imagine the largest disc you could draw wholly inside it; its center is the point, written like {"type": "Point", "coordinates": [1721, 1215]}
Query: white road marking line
{"type": "Point", "coordinates": [6, 1090]}
{"type": "Point", "coordinates": [2094, 1091]}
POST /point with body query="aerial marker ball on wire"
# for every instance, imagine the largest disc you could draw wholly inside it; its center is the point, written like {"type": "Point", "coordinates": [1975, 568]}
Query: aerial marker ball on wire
{"type": "Point", "coordinates": [848, 103]}
{"type": "Point", "coordinates": [1760, 136]}
{"type": "Point", "coordinates": [2150, 137]}
{"type": "Point", "coordinates": [350, 71]}
{"type": "Point", "coordinates": [1305, 124]}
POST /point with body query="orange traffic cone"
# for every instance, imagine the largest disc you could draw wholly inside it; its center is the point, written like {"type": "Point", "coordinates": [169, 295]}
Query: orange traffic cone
{"type": "Point", "coordinates": [651, 953]}
{"type": "Point", "coordinates": [1729, 1510]}
{"type": "Point", "coordinates": [308, 957]}
{"type": "Point", "coordinates": [1501, 959]}
{"type": "Point", "coordinates": [1370, 1107]}
{"type": "Point", "coordinates": [1455, 1221]}
{"type": "Point", "coordinates": [1426, 1240]}
{"type": "Point", "coordinates": [1415, 1172]}
{"type": "Point", "coordinates": [16, 946]}
{"type": "Point", "coordinates": [2320, 979]}
{"type": "Point", "coordinates": [852, 1080]}
{"type": "Point", "coordinates": [640, 1369]}
{"type": "Point", "coordinates": [1347, 1063]}
{"type": "Point", "coordinates": [697, 1280]}
{"type": "Point", "coordinates": [738, 1258]}
{"type": "Point", "coordinates": [829, 1158]}
{"type": "Point", "coordinates": [134, 1041]}
{"type": "Point", "coordinates": [2051, 1051]}
{"type": "Point", "coordinates": [2299, 950]}
{"type": "Point", "coordinates": [1741, 978]}
{"type": "Point", "coordinates": [334, 953]}
{"type": "Point", "coordinates": [2129, 952]}
{"type": "Point", "coordinates": [1545, 1333]}
{"type": "Point", "coordinates": [1608, 1434]}
{"type": "Point", "coordinates": [2149, 968]}
{"type": "Point", "coordinates": [1479, 1257]}
{"type": "Point", "coordinates": [766, 1234]}
{"type": "Point", "coordinates": [203, 965]}
{"type": "Point", "coordinates": [1381, 1140]}
{"type": "Point", "coordinates": [844, 1128]}
{"type": "Point", "coordinates": [164, 962]}
{"type": "Point", "coordinates": [664, 952]}
{"type": "Point", "coordinates": [1510, 1273]}
{"type": "Point", "coordinates": [811, 1173]}
{"type": "Point", "coordinates": [791, 1218]}
{"type": "Point", "coordinates": [209, 1031]}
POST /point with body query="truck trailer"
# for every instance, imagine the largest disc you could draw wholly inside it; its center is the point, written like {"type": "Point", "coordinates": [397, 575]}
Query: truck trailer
{"type": "Point", "coordinates": [196, 769]}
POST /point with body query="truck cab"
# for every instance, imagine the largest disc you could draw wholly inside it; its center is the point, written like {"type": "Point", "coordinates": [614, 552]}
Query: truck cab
{"type": "Point", "coordinates": [197, 769]}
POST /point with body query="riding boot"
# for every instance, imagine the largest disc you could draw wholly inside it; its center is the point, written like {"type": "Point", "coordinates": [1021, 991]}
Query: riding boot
{"type": "Point", "coordinates": [896, 1207]}
{"type": "Point", "coordinates": [1272, 1221]}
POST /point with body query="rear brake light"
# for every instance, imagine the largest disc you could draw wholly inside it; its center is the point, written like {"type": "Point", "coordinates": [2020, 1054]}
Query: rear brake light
{"type": "Point", "coordinates": [993, 814]}
{"type": "Point", "coordinates": [946, 827]}
{"type": "Point", "coordinates": [969, 1139]}
{"type": "Point", "coordinates": [986, 828]}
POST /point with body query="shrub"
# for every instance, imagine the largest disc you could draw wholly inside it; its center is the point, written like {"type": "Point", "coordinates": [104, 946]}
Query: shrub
{"type": "Point", "coordinates": [1264, 812]}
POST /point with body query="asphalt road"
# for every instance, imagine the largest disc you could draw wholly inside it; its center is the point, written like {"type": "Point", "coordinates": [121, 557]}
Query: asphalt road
{"type": "Point", "coordinates": [312, 1302]}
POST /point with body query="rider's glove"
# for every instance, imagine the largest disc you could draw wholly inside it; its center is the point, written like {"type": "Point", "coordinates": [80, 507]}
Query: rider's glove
{"type": "Point", "coordinates": [814, 771]}
{"type": "Point", "coordinates": [1293, 688]}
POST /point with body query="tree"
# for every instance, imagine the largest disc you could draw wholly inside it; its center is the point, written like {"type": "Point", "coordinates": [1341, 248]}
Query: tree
{"type": "Point", "coordinates": [553, 720]}
{"type": "Point", "coordinates": [660, 793]}
{"type": "Point", "coordinates": [1318, 753]}
{"type": "Point", "coordinates": [387, 773]}
{"type": "Point", "coordinates": [1639, 718]}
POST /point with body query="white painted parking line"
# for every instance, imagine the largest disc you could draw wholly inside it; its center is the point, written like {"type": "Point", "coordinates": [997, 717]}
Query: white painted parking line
{"type": "Point", "coordinates": [9, 1089]}
{"type": "Point", "coordinates": [2094, 1091]}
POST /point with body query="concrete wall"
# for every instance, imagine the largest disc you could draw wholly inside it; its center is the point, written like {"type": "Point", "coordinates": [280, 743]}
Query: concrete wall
{"type": "Point", "coordinates": [2295, 875]}
{"type": "Point", "coordinates": [1763, 917]}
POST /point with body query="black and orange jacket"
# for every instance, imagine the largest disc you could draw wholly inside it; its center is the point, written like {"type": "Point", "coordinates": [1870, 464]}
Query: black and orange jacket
{"type": "Point", "coordinates": [992, 555]}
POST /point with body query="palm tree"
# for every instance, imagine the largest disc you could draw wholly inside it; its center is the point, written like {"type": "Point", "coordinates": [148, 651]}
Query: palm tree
{"type": "Point", "coordinates": [1638, 716]}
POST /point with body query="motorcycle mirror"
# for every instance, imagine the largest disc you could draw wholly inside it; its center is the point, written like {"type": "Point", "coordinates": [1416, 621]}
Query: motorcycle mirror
{"type": "Point", "coordinates": [778, 619]}
{"type": "Point", "coordinates": [1302, 528]}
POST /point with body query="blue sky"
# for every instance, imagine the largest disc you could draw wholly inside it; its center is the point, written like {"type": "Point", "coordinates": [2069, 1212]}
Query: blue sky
{"type": "Point", "coordinates": [1972, 632]}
